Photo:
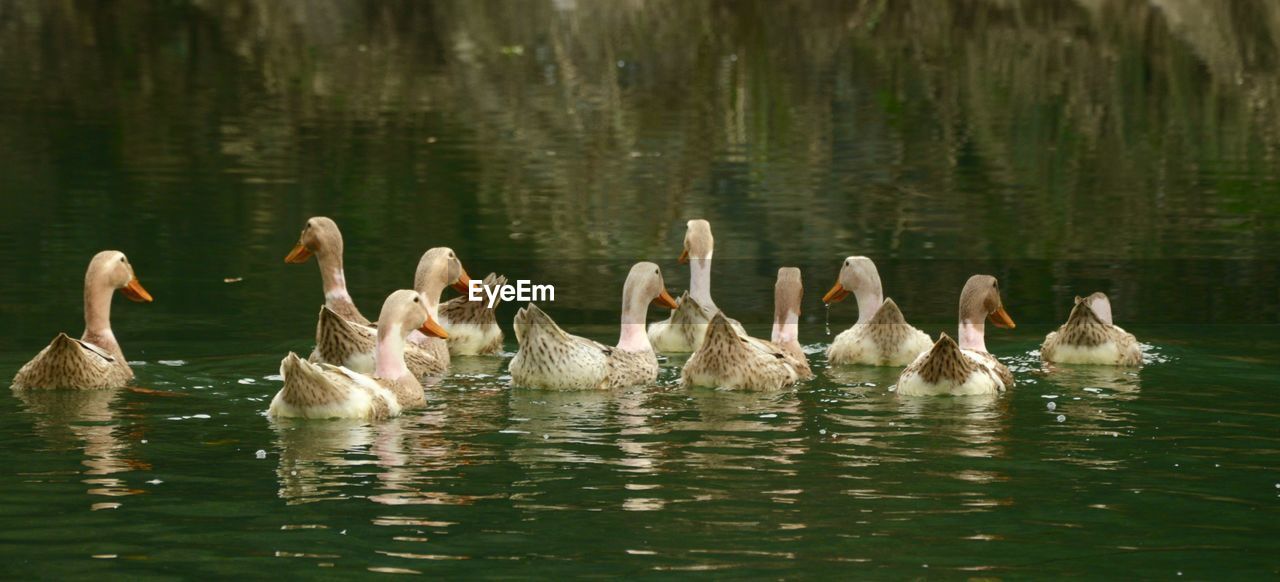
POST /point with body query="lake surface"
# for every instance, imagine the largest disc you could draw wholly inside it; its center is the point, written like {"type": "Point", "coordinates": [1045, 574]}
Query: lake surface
{"type": "Point", "coordinates": [1065, 147]}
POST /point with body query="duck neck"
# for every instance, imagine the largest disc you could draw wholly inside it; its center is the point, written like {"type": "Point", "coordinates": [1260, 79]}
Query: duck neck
{"type": "Point", "coordinates": [97, 316]}
{"type": "Point", "coordinates": [389, 356]}
{"type": "Point", "coordinates": [972, 335]}
{"type": "Point", "coordinates": [869, 302]}
{"type": "Point", "coordinates": [633, 337]}
{"type": "Point", "coordinates": [336, 296]}
{"type": "Point", "coordinates": [786, 329]}
{"type": "Point", "coordinates": [700, 281]}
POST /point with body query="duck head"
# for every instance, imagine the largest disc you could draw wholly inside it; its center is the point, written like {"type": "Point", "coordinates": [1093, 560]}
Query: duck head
{"type": "Point", "coordinates": [439, 268]}
{"type": "Point", "coordinates": [1095, 308]}
{"type": "Point", "coordinates": [644, 286]}
{"type": "Point", "coordinates": [320, 236]}
{"type": "Point", "coordinates": [859, 276]}
{"type": "Point", "coordinates": [403, 312]}
{"type": "Point", "coordinates": [979, 302]}
{"type": "Point", "coordinates": [110, 270]}
{"type": "Point", "coordinates": [698, 242]}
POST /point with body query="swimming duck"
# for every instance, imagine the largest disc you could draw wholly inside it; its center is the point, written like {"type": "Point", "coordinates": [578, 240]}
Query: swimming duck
{"type": "Point", "coordinates": [1090, 337]}
{"type": "Point", "coordinates": [882, 336]}
{"type": "Point", "coordinates": [343, 342]}
{"type": "Point", "coordinates": [94, 360]}
{"type": "Point", "coordinates": [966, 368]}
{"type": "Point", "coordinates": [328, 391]}
{"type": "Point", "coordinates": [729, 360]}
{"type": "Point", "coordinates": [550, 358]}
{"type": "Point", "coordinates": [473, 329]}
{"type": "Point", "coordinates": [684, 330]}
{"type": "Point", "coordinates": [321, 237]}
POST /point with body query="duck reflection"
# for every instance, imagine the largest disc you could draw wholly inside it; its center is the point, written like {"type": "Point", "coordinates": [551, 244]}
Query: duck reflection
{"type": "Point", "coordinates": [87, 419]}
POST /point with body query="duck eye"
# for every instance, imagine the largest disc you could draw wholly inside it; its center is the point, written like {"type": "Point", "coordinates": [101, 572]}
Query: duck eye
{"type": "Point", "coordinates": [415, 299]}
{"type": "Point", "coordinates": [122, 260]}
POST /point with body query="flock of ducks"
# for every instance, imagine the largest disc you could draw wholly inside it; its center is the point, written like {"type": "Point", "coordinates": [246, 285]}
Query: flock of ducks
{"type": "Point", "coordinates": [373, 370]}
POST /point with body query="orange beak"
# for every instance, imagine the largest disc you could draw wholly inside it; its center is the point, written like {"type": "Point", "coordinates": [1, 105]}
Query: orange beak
{"type": "Point", "coordinates": [1001, 319]}
{"type": "Point", "coordinates": [836, 294]}
{"type": "Point", "coordinates": [433, 329]}
{"type": "Point", "coordinates": [665, 300]}
{"type": "Point", "coordinates": [299, 254]}
{"type": "Point", "coordinates": [134, 291]}
{"type": "Point", "coordinates": [684, 257]}
{"type": "Point", "coordinates": [464, 282]}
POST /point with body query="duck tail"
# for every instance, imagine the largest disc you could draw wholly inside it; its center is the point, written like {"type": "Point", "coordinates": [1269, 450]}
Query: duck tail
{"type": "Point", "coordinates": [333, 330]}
{"type": "Point", "coordinates": [530, 319]}
{"type": "Point", "coordinates": [720, 333]}
{"type": "Point", "coordinates": [888, 313]}
{"type": "Point", "coordinates": [945, 361]}
{"type": "Point", "coordinates": [304, 383]}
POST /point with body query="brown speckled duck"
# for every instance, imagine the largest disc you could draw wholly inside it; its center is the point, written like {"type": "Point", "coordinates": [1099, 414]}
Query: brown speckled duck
{"type": "Point", "coordinates": [684, 330]}
{"type": "Point", "coordinates": [321, 237]}
{"type": "Point", "coordinates": [550, 358]}
{"type": "Point", "coordinates": [94, 360]}
{"type": "Point", "coordinates": [328, 391]}
{"type": "Point", "coordinates": [1090, 337]}
{"type": "Point", "coordinates": [729, 360]}
{"type": "Point", "coordinates": [342, 342]}
{"type": "Point", "coordinates": [967, 368]}
{"type": "Point", "coordinates": [882, 336]}
{"type": "Point", "coordinates": [473, 329]}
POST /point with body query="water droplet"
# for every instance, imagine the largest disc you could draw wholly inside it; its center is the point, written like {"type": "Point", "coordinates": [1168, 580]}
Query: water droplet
{"type": "Point", "coordinates": [261, 454]}
{"type": "Point", "coordinates": [827, 321]}
{"type": "Point", "coordinates": [822, 431]}
{"type": "Point", "coordinates": [155, 482]}
{"type": "Point", "coordinates": [1051, 406]}
{"type": "Point", "coordinates": [1062, 418]}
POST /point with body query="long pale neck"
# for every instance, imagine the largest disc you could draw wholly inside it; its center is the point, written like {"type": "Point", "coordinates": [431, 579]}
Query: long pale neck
{"type": "Point", "coordinates": [869, 302]}
{"type": "Point", "coordinates": [97, 316]}
{"type": "Point", "coordinates": [633, 337]}
{"type": "Point", "coordinates": [700, 281]}
{"type": "Point", "coordinates": [389, 355]}
{"type": "Point", "coordinates": [972, 336]}
{"type": "Point", "coordinates": [786, 328]}
{"type": "Point", "coordinates": [334, 280]}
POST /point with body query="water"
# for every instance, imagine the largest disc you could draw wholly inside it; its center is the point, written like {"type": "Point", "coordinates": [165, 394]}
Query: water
{"type": "Point", "coordinates": [1064, 147]}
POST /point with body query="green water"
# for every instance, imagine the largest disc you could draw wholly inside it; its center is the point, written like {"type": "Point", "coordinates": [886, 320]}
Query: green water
{"type": "Point", "coordinates": [1065, 147]}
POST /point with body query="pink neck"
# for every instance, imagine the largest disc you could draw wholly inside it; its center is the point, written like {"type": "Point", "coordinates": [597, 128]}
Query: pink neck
{"type": "Point", "coordinates": [633, 338]}
{"type": "Point", "coordinates": [97, 317]}
{"type": "Point", "coordinates": [389, 355]}
{"type": "Point", "coordinates": [971, 336]}
{"type": "Point", "coordinates": [700, 281]}
{"type": "Point", "coordinates": [787, 329]}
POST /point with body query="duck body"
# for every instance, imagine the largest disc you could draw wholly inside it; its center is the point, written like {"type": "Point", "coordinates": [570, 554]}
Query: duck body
{"type": "Point", "coordinates": [94, 361]}
{"type": "Point", "coordinates": [1089, 337]}
{"type": "Point", "coordinates": [551, 358]}
{"type": "Point", "coordinates": [946, 369]}
{"type": "Point", "coordinates": [473, 328]}
{"type": "Point", "coordinates": [884, 340]}
{"type": "Point", "coordinates": [321, 391]}
{"type": "Point", "coordinates": [72, 363]}
{"type": "Point", "coordinates": [684, 331]}
{"type": "Point", "coordinates": [344, 343]}
{"type": "Point", "coordinates": [728, 360]}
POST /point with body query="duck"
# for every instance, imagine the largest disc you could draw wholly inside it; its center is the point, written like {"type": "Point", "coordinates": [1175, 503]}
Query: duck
{"type": "Point", "coordinates": [550, 358]}
{"type": "Point", "coordinates": [94, 361]}
{"type": "Point", "coordinates": [321, 391]}
{"type": "Point", "coordinates": [729, 360]}
{"type": "Point", "coordinates": [684, 330]}
{"type": "Point", "coordinates": [321, 238]}
{"type": "Point", "coordinates": [881, 336]}
{"type": "Point", "coordinates": [965, 368]}
{"type": "Point", "coordinates": [1090, 337]}
{"type": "Point", "coordinates": [473, 329]}
{"type": "Point", "coordinates": [343, 342]}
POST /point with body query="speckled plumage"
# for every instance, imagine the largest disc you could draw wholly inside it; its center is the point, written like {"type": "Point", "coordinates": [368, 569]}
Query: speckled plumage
{"type": "Point", "coordinates": [551, 358]}
{"type": "Point", "coordinates": [728, 360]}
{"type": "Point", "coordinates": [473, 329]}
{"type": "Point", "coordinates": [684, 331]}
{"type": "Point", "coordinates": [1087, 339]}
{"type": "Point", "coordinates": [885, 340]}
{"type": "Point", "coordinates": [345, 343]}
{"type": "Point", "coordinates": [71, 363]}
{"type": "Point", "coordinates": [947, 369]}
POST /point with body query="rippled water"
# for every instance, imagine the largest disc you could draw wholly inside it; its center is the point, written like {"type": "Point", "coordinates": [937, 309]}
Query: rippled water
{"type": "Point", "coordinates": [1065, 147]}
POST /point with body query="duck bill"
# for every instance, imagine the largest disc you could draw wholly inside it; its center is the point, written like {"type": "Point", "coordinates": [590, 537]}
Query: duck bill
{"type": "Point", "coordinates": [135, 292]}
{"type": "Point", "coordinates": [463, 284]}
{"type": "Point", "coordinates": [665, 299]}
{"type": "Point", "coordinates": [836, 294]}
{"type": "Point", "coordinates": [999, 318]}
{"type": "Point", "coordinates": [684, 257]}
{"type": "Point", "coordinates": [299, 254]}
{"type": "Point", "coordinates": [433, 329]}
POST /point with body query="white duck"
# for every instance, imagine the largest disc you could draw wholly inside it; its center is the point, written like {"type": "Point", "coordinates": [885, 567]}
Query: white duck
{"type": "Point", "coordinates": [95, 360]}
{"type": "Point", "coordinates": [328, 391]}
{"type": "Point", "coordinates": [1090, 337]}
{"type": "Point", "coordinates": [881, 336]}
{"type": "Point", "coordinates": [684, 330]}
{"type": "Point", "coordinates": [968, 368]}
{"type": "Point", "coordinates": [550, 358]}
